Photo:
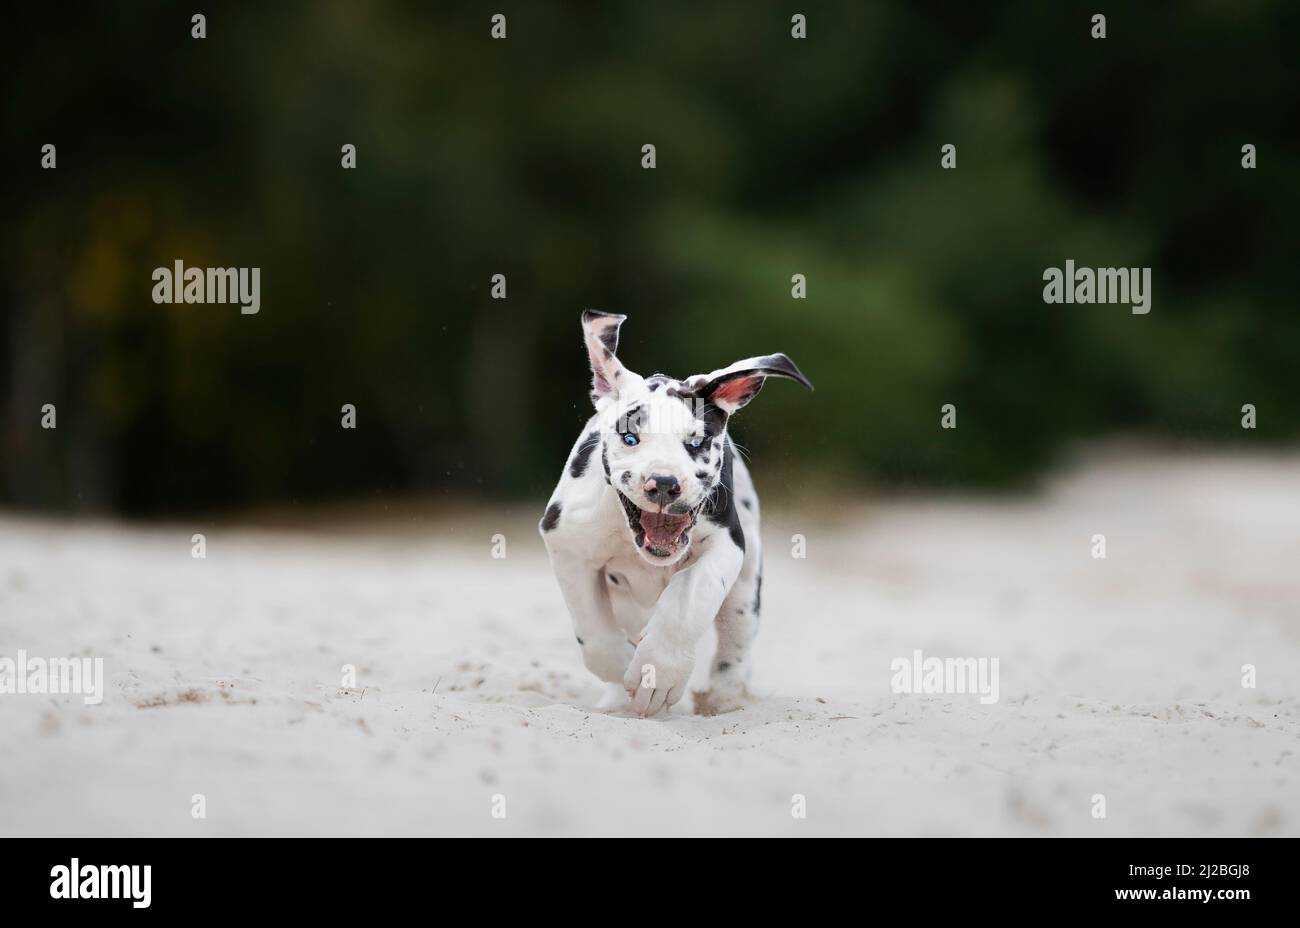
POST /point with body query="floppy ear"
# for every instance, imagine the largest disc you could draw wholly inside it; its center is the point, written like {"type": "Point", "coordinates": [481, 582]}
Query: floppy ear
{"type": "Point", "coordinates": [735, 385]}
{"type": "Point", "coordinates": [600, 332]}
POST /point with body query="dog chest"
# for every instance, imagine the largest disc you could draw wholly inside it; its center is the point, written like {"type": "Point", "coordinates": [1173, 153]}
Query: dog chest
{"type": "Point", "coordinates": [634, 589]}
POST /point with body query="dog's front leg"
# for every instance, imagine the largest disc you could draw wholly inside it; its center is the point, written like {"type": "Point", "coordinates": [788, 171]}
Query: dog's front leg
{"type": "Point", "coordinates": [665, 656]}
{"type": "Point", "coordinates": [605, 648]}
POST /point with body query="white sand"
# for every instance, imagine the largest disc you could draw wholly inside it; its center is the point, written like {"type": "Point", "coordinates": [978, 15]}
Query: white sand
{"type": "Point", "coordinates": [1119, 676]}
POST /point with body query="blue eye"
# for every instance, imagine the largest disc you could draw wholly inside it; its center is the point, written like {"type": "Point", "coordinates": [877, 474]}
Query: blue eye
{"type": "Point", "coordinates": [630, 439]}
{"type": "Point", "coordinates": [696, 442]}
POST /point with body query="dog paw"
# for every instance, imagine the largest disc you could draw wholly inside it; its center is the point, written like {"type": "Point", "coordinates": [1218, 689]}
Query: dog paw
{"type": "Point", "coordinates": [657, 677]}
{"type": "Point", "coordinates": [719, 699]}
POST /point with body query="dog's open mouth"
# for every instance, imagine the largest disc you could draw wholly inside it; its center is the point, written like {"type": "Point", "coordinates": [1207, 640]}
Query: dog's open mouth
{"type": "Point", "coordinates": [658, 532]}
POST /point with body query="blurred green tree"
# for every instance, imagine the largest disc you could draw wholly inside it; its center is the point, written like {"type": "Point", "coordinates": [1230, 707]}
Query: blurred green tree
{"type": "Point", "coordinates": [521, 157]}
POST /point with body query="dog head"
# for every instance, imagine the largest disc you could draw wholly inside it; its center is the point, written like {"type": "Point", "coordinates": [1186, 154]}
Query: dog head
{"type": "Point", "coordinates": [662, 440]}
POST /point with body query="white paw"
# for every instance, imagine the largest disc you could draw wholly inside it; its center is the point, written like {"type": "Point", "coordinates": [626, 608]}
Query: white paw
{"type": "Point", "coordinates": [657, 677]}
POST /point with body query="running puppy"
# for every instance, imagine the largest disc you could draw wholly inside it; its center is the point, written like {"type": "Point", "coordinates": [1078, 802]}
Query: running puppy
{"type": "Point", "coordinates": [653, 529]}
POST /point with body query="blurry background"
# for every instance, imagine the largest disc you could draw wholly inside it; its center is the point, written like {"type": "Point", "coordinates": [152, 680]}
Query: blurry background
{"type": "Point", "coordinates": [522, 157]}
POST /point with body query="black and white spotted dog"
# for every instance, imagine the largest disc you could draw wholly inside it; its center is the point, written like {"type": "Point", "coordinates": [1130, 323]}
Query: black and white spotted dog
{"type": "Point", "coordinates": [653, 529]}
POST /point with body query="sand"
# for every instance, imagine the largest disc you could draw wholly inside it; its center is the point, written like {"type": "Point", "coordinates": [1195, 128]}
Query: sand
{"type": "Point", "coordinates": [1119, 677]}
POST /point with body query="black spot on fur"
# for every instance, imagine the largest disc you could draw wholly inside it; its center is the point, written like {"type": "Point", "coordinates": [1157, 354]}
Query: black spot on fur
{"type": "Point", "coordinates": [551, 517]}
{"type": "Point", "coordinates": [631, 421]}
{"type": "Point", "coordinates": [609, 334]}
{"type": "Point", "coordinates": [720, 507]}
{"type": "Point", "coordinates": [715, 420]}
{"type": "Point", "coordinates": [613, 579]}
{"type": "Point", "coordinates": [580, 641]}
{"type": "Point", "coordinates": [758, 592]}
{"type": "Point", "coordinates": [702, 475]}
{"type": "Point", "coordinates": [724, 666]}
{"type": "Point", "coordinates": [582, 456]}
{"type": "Point", "coordinates": [747, 503]}
{"type": "Point", "coordinates": [604, 462]}
{"type": "Point", "coordinates": [701, 452]}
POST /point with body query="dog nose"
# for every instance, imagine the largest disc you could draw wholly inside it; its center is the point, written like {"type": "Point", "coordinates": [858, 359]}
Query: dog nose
{"type": "Point", "coordinates": [662, 488]}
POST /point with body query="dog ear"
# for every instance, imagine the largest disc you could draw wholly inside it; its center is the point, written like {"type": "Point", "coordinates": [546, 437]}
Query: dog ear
{"type": "Point", "coordinates": [600, 332]}
{"type": "Point", "coordinates": [732, 387]}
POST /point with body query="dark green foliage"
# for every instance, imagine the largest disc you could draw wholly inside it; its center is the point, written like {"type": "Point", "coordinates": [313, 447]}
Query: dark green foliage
{"type": "Point", "coordinates": [522, 157]}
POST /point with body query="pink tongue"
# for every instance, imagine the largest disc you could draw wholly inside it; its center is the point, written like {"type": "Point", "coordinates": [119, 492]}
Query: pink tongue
{"type": "Point", "coordinates": [661, 529]}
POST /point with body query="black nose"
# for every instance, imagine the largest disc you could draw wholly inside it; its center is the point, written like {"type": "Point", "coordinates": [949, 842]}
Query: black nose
{"type": "Point", "coordinates": [662, 488]}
